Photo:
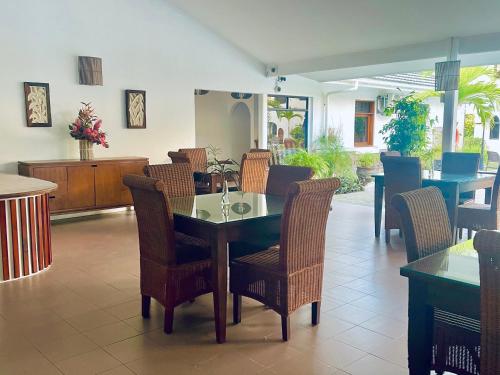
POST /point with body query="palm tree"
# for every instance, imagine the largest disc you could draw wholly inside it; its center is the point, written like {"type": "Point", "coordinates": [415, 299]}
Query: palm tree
{"type": "Point", "coordinates": [477, 87]}
{"type": "Point", "coordinates": [288, 115]}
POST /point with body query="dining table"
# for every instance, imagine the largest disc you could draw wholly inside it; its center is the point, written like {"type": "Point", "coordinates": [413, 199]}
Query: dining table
{"type": "Point", "coordinates": [447, 280]}
{"type": "Point", "coordinates": [247, 216]}
{"type": "Point", "coordinates": [451, 185]}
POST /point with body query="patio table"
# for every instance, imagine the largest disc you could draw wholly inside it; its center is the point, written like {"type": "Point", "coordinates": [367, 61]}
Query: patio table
{"type": "Point", "coordinates": [448, 280]}
{"type": "Point", "coordinates": [249, 215]}
{"type": "Point", "coordinates": [451, 185]}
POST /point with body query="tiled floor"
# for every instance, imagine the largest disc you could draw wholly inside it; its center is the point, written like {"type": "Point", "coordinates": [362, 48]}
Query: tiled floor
{"type": "Point", "coordinates": [82, 316]}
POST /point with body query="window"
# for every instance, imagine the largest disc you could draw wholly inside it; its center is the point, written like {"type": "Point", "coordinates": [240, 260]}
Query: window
{"type": "Point", "coordinates": [495, 128]}
{"type": "Point", "coordinates": [287, 121]}
{"type": "Point", "coordinates": [363, 123]}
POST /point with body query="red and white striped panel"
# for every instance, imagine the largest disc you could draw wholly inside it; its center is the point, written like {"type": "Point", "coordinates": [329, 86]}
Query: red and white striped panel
{"type": "Point", "coordinates": [25, 246]}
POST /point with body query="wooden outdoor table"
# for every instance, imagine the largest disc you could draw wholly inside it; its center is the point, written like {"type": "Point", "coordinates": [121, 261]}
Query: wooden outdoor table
{"type": "Point", "coordinates": [451, 185]}
{"type": "Point", "coordinates": [249, 215]}
{"type": "Point", "coordinates": [448, 280]}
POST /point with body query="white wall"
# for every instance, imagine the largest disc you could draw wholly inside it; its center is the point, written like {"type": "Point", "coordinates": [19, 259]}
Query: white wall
{"type": "Point", "coordinates": [145, 45]}
{"type": "Point", "coordinates": [217, 126]}
{"type": "Point", "coordinates": [341, 114]}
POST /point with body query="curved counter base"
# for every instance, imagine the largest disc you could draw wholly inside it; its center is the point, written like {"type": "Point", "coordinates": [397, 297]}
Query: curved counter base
{"type": "Point", "coordinates": [25, 246]}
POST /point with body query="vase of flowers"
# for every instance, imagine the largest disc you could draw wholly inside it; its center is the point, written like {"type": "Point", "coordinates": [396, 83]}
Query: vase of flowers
{"type": "Point", "coordinates": [224, 169]}
{"type": "Point", "coordinates": [87, 130]}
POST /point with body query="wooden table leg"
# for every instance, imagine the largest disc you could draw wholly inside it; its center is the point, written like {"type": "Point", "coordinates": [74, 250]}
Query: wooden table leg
{"type": "Point", "coordinates": [487, 195]}
{"type": "Point", "coordinates": [420, 328]}
{"type": "Point", "coordinates": [218, 244]}
{"type": "Point", "coordinates": [379, 197]}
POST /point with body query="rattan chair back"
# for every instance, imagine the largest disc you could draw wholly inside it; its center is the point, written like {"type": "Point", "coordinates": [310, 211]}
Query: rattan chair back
{"type": "Point", "coordinates": [154, 218]}
{"type": "Point", "coordinates": [487, 244]}
{"type": "Point", "coordinates": [177, 178]}
{"type": "Point", "coordinates": [303, 224]}
{"type": "Point", "coordinates": [197, 157]}
{"type": "Point", "coordinates": [424, 221]}
{"type": "Point", "coordinates": [460, 163]}
{"type": "Point", "coordinates": [400, 174]}
{"type": "Point", "coordinates": [281, 176]}
{"type": "Point", "coordinates": [253, 171]}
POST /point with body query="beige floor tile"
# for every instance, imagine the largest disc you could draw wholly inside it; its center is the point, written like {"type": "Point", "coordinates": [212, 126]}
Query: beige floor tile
{"type": "Point", "coordinates": [373, 365]}
{"type": "Point", "coordinates": [301, 365]}
{"type": "Point", "coordinates": [111, 333]}
{"type": "Point", "coordinates": [121, 370]}
{"type": "Point", "coordinates": [66, 347]}
{"type": "Point", "coordinates": [352, 314]}
{"type": "Point", "coordinates": [162, 363]}
{"type": "Point", "coordinates": [229, 363]}
{"type": "Point", "coordinates": [336, 353]}
{"type": "Point", "coordinates": [29, 361]}
{"type": "Point", "coordinates": [364, 339]}
{"type": "Point", "coordinates": [92, 319]}
{"type": "Point", "coordinates": [386, 326]}
{"type": "Point", "coordinates": [92, 362]}
{"type": "Point", "coordinates": [133, 348]}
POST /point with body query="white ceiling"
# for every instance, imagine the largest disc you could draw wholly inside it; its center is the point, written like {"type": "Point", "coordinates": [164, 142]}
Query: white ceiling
{"type": "Point", "coordinates": [288, 31]}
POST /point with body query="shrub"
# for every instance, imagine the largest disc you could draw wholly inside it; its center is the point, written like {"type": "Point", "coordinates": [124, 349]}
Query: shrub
{"type": "Point", "coordinates": [349, 184]}
{"type": "Point", "coordinates": [407, 132]}
{"type": "Point", "coordinates": [302, 158]}
{"type": "Point", "coordinates": [473, 145]}
{"type": "Point", "coordinates": [368, 160]}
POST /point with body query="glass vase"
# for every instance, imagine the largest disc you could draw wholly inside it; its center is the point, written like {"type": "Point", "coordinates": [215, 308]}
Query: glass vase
{"type": "Point", "coordinates": [86, 150]}
{"type": "Point", "coordinates": [225, 193]}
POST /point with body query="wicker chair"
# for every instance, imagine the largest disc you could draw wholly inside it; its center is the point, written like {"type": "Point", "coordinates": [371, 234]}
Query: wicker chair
{"type": "Point", "coordinates": [383, 154]}
{"type": "Point", "coordinates": [476, 216]}
{"type": "Point", "coordinates": [172, 272]}
{"type": "Point", "coordinates": [493, 157]}
{"type": "Point", "coordinates": [253, 171]}
{"type": "Point", "coordinates": [461, 163]}
{"type": "Point", "coordinates": [290, 275]}
{"type": "Point", "coordinates": [194, 157]}
{"type": "Point", "coordinates": [177, 178]}
{"type": "Point", "coordinates": [400, 174]}
{"type": "Point", "coordinates": [281, 176]}
{"type": "Point", "coordinates": [487, 244]}
{"type": "Point", "coordinates": [426, 229]}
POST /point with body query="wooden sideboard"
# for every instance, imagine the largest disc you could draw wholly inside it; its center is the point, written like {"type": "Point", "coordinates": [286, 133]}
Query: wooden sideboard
{"type": "Point", "coordinates": [85, 185]}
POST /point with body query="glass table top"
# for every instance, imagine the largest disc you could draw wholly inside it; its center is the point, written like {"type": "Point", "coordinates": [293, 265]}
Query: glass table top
{"type": "Point", "coordinates": [242, 206]}
{"type": "Point", "coordinates": [450, 177]}
{"type": "Point", "coordinates": [459, 263]}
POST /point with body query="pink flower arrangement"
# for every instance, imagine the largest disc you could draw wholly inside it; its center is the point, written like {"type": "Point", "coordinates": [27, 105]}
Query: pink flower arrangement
{"type": "Point", "coordinates": [87, 126]}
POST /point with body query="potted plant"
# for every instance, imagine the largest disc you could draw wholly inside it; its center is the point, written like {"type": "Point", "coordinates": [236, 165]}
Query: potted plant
{"type": "Point", "coordinates": [87, 130]}
{"type": "Point", "coordinates": [407, 130]}
{"type": "Point", "coordinates": [366, 165]}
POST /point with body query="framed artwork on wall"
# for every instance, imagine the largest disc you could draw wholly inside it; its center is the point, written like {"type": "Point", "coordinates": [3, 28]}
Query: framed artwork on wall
{"type": "Point", "coordinates": [135, 105]}
{"type": "Point", "coordinates": [37, 101]}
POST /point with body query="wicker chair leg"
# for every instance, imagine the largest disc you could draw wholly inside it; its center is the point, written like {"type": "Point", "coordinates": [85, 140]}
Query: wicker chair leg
{"type": "Point", "coordinates": [387, 236]}
{"type": "Point", "coordinates": [316, 307]}
{"type": "Point", "coordinates": [236, 308]}
{"type": "Point", "coordinates": [168, 320]}
{"type": "Point", "coordinates": [285, 327]}
{"type": "Point", "coordinates": [400, 233]}
{"type": "Point", "coordinates": [146, 304]}
{"type": "Point", "coordinates": [460, 233]}
{"type": "Point", "coordinates": [469, 233]}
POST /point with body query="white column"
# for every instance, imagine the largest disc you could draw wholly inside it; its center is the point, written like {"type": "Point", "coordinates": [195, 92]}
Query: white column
{"type": "Point", "coordinates": [450, 106]}
{"type": "Point", "coordinates": [262, 119]}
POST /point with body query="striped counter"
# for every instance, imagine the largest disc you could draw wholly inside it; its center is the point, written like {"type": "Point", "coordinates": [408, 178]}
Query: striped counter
{"type": "Point", "coordinates": [25, 246]}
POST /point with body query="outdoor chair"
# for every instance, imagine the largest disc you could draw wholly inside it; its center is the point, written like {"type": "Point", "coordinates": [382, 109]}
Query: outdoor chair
{"type": "Point", "coordinates": [171, 272]}
{"type": "Point", "coordinates": [476, 216]}
{"type": "Point", "coordinates": [487, 244]}
{"type": "Point", "coordinates": [253, 171]}
{"type": "Point", "coordinates": [289, 275]}
{"type": "Point", "coordinates": [426, 231]}
{"type": "Point", "coordinates": [461, 163]}
{"type": "Point", "coordinates": [400, 174]}
{"type": "Point", "coordinates": [493, 157]}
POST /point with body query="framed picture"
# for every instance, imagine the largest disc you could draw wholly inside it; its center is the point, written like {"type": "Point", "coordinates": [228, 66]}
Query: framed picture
{"type": "Point", "coordinates": [37, 100]}
{"type": "Point", "coordinates": [135, 104]}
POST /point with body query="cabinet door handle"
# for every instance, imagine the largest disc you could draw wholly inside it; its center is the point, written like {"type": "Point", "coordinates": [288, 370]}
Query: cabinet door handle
{"type": "Point", "coordinates": [94, 165]}
{"type": "Point", "coordinates": [52, 197]}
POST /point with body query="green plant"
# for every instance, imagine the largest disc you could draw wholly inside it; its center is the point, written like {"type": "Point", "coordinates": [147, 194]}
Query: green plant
{"type": "Point", "coordinates": [349, 184]}
{"type": "Point", "coordinates": [473, 145]}
{"type": "Point", "coordinates": [297, 135]}
{"type": "Point", "coordinates": [407, 131]}
{"type": "Point", "coordinates": [288, 115]}
{"type": "Point", "coordinates": [303, 158]}
{"type": "Point", "coordinates": [332, 150]}
{"type": "Point", "coordinates": [368, 160]}
{"type": "Point", "coordinates": [428, 156]}
{"type": "Point", "coordinates": [469, 125]}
